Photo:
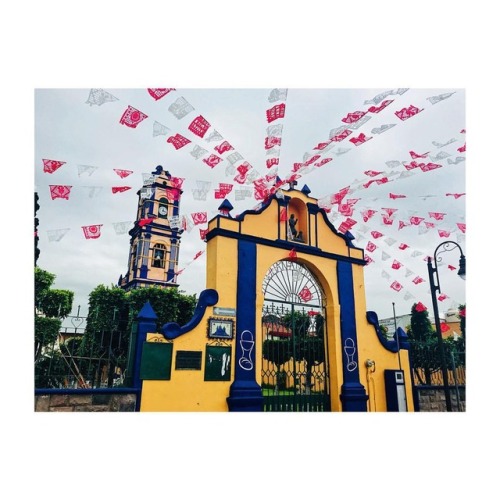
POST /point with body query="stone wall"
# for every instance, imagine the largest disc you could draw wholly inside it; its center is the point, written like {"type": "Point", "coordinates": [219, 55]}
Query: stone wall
{"type": "Point", "coordinates": [433, 400]}
{"type": "Point", "coordinates": [107, 402]}
{"type": "Point", "coordinates": [430, 400]}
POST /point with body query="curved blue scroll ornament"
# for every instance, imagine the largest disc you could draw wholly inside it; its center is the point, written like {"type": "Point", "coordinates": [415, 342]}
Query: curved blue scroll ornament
{"type": "Point", "coordinates": [390, 345]}
{"type": "Point", "coordinates": [207, 298]}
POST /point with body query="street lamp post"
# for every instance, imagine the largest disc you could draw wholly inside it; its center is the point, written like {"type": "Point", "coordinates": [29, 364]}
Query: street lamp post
{"type": "Point", "coordinates": [446, 246]}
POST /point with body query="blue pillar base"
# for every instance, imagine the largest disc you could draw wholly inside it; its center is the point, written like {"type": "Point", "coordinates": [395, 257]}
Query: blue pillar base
{"type": "Point", "coordinates": [245, 396]}
{"type": "Point", "coordinates": [353, 397]}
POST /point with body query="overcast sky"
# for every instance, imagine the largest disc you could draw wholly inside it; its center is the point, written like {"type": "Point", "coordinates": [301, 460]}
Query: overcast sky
{"type": "Point", "coordinates": [69, 129]}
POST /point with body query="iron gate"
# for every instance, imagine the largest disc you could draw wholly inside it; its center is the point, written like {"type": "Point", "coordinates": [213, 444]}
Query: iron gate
{"type": "Point", "coordinates": [294, 350]}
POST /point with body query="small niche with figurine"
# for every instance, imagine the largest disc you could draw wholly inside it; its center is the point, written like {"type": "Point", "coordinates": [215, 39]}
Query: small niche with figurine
{"type": "Point", "coordinates": [297, 224]}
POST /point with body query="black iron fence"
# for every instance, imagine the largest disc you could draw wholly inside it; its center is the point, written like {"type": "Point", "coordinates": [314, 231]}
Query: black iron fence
{"type": "Point", "coordinates": [428, 365]}
{"type": "Point", "coordinates": [427, 371]}
{"type": "Point", "coordinates": [74, 359]}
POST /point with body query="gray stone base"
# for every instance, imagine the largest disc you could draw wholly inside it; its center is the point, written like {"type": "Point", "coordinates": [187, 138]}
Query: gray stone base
{"type": "Point", "coordinates": [433, 400]}
{"type": "Point", "coordinates": [85, 402]}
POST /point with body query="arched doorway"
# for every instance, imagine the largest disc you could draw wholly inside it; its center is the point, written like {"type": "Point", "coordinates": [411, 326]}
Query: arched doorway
{"type": "Point", "coordinates": [294, 338]}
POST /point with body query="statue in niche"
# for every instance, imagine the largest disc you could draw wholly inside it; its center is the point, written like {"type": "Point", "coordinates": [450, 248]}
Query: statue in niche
{"type": "Point", "coordinates": [292, 223]}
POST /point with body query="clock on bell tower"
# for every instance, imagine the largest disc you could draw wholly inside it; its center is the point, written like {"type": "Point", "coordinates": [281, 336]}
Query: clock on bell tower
{"type": "Point", "coordinates": [155, 237]}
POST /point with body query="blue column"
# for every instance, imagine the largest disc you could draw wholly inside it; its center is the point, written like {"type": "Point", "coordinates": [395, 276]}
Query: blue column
{"type": "Point", "coordinates": [245, 394]}
{"type": "Point", "coordinates": [353, 395]}
{"type": "Point", "coordinates": [173, 259]}
{"type": "Point", "coordinates": [146, 323]}
{"type": "Point", "coordinates": [175, 210]}
{"type": "Point", "coordinates": [145, 254]}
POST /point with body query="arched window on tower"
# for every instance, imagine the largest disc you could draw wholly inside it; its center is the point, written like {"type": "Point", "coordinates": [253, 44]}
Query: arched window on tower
{"type": "Point", "coordinates": [159, 251]}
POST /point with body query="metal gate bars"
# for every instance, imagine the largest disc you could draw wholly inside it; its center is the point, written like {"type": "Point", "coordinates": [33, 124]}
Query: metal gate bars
{"type": "Point", "coordinates": [294, 364]}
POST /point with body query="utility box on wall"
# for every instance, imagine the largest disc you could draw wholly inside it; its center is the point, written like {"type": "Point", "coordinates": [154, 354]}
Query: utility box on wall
{"type": "Point", "coordinates": [395, 390]}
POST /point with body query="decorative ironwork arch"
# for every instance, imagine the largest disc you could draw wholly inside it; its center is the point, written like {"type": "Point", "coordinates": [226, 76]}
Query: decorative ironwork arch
{"type": "Point", "coordinates": [293, 283]}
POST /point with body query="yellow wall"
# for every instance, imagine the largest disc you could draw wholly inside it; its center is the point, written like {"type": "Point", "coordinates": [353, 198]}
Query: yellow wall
{"type": "Point", "coordinates": [187, 391]}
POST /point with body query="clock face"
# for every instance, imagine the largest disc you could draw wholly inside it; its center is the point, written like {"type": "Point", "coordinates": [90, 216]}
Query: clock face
{"type": "Point", "coordinates": [162, 210]}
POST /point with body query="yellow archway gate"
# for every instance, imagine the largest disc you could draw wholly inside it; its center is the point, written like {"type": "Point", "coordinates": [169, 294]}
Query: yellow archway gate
{"type": "Point", "coordinates": [240, 252]}
{"type": "Point", "coordinates": [295, 365]}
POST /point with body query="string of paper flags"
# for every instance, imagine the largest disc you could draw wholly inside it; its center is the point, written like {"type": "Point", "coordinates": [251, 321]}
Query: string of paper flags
{"type": "Point", "coordinates": [344, 209]}
{"type": "Point", "coordinates": [199, 127]}
{"type": "Point", "coordinates": [328, 201]}
{"type": "Point", "coordinates": [353, 121]}
{"type": "Point", "coordinates": [312, 159]}
{"type": "Point", "coordinates": [250, 183]}
{"type": "Point", "coordinates": [180, 108]}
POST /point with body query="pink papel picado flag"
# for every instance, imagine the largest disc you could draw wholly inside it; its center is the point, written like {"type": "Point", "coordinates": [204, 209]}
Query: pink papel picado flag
{"type": "Point", "coordinates": [123, 173]}
{"type": "Point", "coordinates": [92, 232]}
{"type": "Point", "coordinates": [50, 166]}
{"type": "Point", "coordinates": [132, 117]}
{"type": "Point", "coordinates": [199, 126]}
{"type": "Point", "coordinates": [157, 94]}
{"type": "Point", "coordinates": [178, 141]}
{"type": "Point", "coordinates": [60, 192]}
{"type": "Point", "coordinates": [405, 113]}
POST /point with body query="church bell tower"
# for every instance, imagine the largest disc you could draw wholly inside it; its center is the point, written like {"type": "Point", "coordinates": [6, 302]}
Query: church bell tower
{"type": "Point", "coordinates": [155, 237]}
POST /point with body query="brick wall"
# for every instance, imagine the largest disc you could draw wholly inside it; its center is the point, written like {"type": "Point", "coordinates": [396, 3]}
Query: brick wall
{"type": "Point", "coordinates": [108, 402]}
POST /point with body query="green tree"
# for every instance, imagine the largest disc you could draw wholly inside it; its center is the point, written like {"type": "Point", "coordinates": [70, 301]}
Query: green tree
{"type": "Point", "coordinates": [297, 321]}
{"type": "Point", "coordinates": [420, 324]}
{"type": "Point", "coordinates": [277, 351]}
{"type": "Point", "coordinates": [168, 303]}
{"type": "Point", "coordinates": [105, 342]}
{"type": "Point", "coordinates": [385, 331]}
{"type": "Point", "coordinates": [454, 352]}
{"type": "Point", "coordinates": [51, 307]}
{"type": "Point", "coordinates": [456, 348]}
{"type": "Point", "coordinates": [461, 313]}
{"type": "Point", "coordinates": [112, 312]}
{"type": "Point", "coordinates": [423, 344]}
{"type": "Point", "coordinates": [307, 346]}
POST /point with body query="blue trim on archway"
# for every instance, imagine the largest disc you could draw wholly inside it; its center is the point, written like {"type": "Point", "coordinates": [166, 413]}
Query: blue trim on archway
{"type": "Point", "coordinates": [146, 323]}
{"type": "Point", "coordinates": [390, 345]}
{"type": "Point", "coordinates": [286, 245]}
{"type": "Point", "coordinates": [353, 394]}
{"type": "Point", "coordinates": [208, 297]}
{"type": "Point", "coordinates": [245, 394]}
{"type": "Point", "coordinates": [312, 208]}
